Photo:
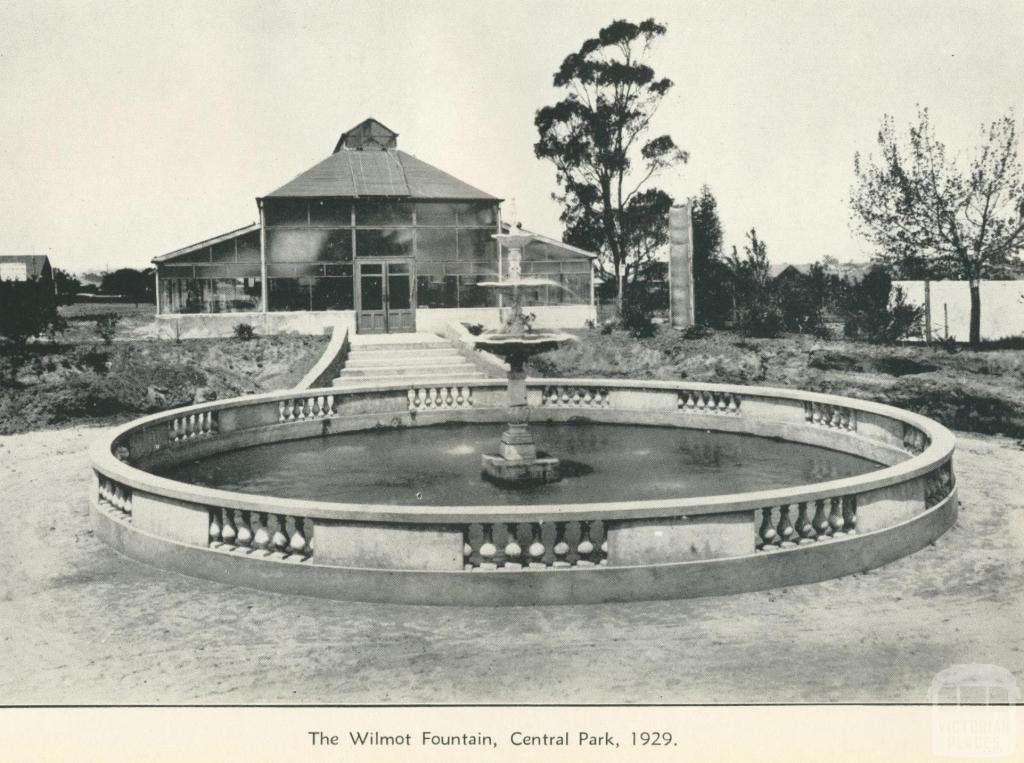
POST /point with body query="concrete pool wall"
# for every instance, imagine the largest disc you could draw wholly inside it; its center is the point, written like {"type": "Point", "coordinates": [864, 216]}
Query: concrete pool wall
{"type": "Point", "coordinates": [539, 554]}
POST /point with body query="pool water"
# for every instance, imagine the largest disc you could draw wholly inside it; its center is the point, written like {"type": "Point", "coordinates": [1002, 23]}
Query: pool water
{"type": "Point", "coordinates": [440, 465]}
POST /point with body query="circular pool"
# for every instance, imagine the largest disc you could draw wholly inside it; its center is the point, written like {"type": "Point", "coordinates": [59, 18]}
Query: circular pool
{"type": "Point", "coordinates": [668, 490]}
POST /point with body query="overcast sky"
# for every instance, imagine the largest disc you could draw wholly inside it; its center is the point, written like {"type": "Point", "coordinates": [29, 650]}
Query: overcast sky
{"type": "Point", "coordinates": [132, 129]}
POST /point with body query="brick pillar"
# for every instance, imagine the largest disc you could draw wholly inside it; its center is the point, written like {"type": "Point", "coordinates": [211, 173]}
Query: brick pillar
{"type": "Point", "coordinates": [680, 267]}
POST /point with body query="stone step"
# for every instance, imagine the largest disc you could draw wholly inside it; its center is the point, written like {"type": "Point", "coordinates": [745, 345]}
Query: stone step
{"type": "Point", "coordinates": [399, 346]}
{"type": "Point", "coordinates": [433, 370]}
{"type": "Point", "coordinates": [424, 378]}
{"type": "Point", "coordinates": [380, 360]}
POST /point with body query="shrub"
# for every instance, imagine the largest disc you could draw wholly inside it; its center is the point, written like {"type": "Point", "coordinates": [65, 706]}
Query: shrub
{"type": "Point", "coordinates": [638, 307]}
{"type": "Point", "coordinates": [697, 331]}
{"type": "Point", "coordinates": [106, 327]}
{"type": "Point", "coordinates": [244, 332]}
{"type": "Point", "coordinates": [27, 308]}
{"type": "Point", "coordinates": [877, 312]}
{"type": "Point", "coordinates": [761, 319]}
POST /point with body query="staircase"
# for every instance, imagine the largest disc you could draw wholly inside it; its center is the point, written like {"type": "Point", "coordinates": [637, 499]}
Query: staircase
{"type": "Point", "coordinates": [388, 358]}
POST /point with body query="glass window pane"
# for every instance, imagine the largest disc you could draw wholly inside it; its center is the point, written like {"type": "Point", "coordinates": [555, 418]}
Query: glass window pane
{"type": "Point", "coordinates": [332, 294]}
{"type": "Point", "coordinates": [310, 245]}
{"type": "Point", "coordinates": [471, 295]}
{"type": "Point", "coordinates": [249, 247]}
{"type": "Point", "coordinates": [435, 244]}
{"type": "Point", "coordinates": [330, 212]}
{"type": "Point", "coordinates": [383, 213]}
{"type": "Point", "coordinates": [477, 245]}
{"type": "Point", "coordinates": [287, 294]}
{"type": "Point", "coordinates": [371, 292]}
{"type": "Point", "coordinates": [478, 214]}
{"type": "Point", "coordinates": [224, 251]}
{"type": "Point", "coordinates": [436, 291]}
{"type": "Point", "coordinates": [393, 242]}
{"type": "Point", "coordinates": [399, 292]}
{"type": "Point", "coordinates": [435, 214]}
{"type": "Point", "coordinates": [398, 267]}
{"type": "Point", "coordinates": [286, 211]}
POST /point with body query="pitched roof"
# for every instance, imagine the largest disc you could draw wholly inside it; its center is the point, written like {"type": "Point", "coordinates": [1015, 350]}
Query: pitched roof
{"type": "Point", "coordinates": [353, 174]}
{"type": "Point", "coordinates": [35, 264]}
{"type": "Point", "coordinates": [560, 248]}
{"type": "Point", "coordinates": [250, 228]}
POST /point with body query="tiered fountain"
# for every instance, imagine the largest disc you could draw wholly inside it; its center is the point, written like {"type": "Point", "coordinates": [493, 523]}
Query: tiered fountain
{"type": "Point", "coordinates": [519, 462]}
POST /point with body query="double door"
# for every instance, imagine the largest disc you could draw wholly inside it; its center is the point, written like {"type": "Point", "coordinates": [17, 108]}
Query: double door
{"type": "Point", "coordinates": [386, 300]}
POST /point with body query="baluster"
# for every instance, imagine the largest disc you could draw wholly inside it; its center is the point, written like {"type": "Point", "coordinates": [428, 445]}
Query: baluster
{"type": "Point", "coordinates": [536, 549]}
{"type": "Point", "coordinates": [561, 547]}
{"type": "Point", "coordinates": [307, 408]}
{"type": "Point", "coordinates": [330, 405]}
{"type": "Point", "coordinates": [835, 517]}
{"type": "Point", "coordinates": [297, 543]}
{"type": "Point", "coordinates": [722, 405]}
{"type": "Point", "coordinates": [314, 406]}
{"type": "Point", "coordinates": [228, 533]}
{"type": "Point", "coordinates": [244, 537]}
{"type": "Point", "coordinates": [215, 528]}
{"type": "Point", "coordinates": [127, 501]}
{"type": "Point", "coordinates": [280, 536]}
{"type": "Point", "coordinates": [815, 413]}
{"type": "Point", "coordinates": [850, 514]}
{"type": "Point", "coordinates": [512, 548]}
{"type": "Point", "coordinates": [438, 400]}
{"type": "Point", "coordinates": [448, 399]}
{"type": "Point", "coordinates": [281, 415]}
{"type": "Point", "coordinates": [766, 533]}
{"type": "Point", "coordinates": [467, 549]}
{"type": "Point", "coordinates": [585, 548]}
{"type": "Point", "coordinates": [487, 548]}
{"type": "Point", "coordinates": [297, 409]}
{"type": "Point", "coordinates": [604, 551]}
{"type": "Point", "coordinates": [421, 397]}
{"type": "Point", "coordinates": [261, 539]}
{"type": "Point", "coordinates": [820, 521]}
{"type": "Point", "coordinates": [787, 534]}
{"type": "Point", "coordinates": [804, 526]}
{"type": "Point", "coordinates": [467, 395]}
{"type": "Point", "coordinates": [808, 411]}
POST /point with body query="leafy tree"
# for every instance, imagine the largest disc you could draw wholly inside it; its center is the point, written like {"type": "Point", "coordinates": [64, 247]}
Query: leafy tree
{"type": "Point", "coordinates": [930, 214]}
{"type": "Point", "coordinates": [712, 283]}
{"type": "Point", "coordinates": [758, 312]}
{"type": "Point", "coordinates": [598, 138]}
{"type": "Point", "coordinates": [67, 286]}
{"type": "Point", "coordinates": [134, 285]}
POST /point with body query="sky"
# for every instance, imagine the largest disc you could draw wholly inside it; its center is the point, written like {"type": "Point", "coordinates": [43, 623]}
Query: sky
{"type": "Point", "coordinates": [132, 129]}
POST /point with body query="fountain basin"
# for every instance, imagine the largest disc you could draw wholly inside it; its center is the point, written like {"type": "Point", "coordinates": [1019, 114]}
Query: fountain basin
{"type": "Point", "coordinates": [567, 551]}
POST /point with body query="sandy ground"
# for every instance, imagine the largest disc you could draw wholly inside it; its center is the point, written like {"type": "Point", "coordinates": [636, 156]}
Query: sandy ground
{"type": "Point", "coordinates": [80, 624]}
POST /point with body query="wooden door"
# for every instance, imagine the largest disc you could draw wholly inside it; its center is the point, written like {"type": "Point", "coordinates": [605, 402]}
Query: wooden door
{"type": "Point", "coordinates": [386, 297]}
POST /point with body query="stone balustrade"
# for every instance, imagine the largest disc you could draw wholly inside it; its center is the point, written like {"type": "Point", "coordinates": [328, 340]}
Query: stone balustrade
{"type": "Point", "coordinates": [618, 551]}
{"type": "Point", "coordinates": [191, 425]}
{"type": "Point", "coordinates": [262, 533]}
{"type": "Point", "coordinates": [708, 401]}
{"type": "Point", "coordinates": [832, 416]}
{"type": "Point", "coordinates": [512, 546]}
{"type": "Point", "coordinates": [305, 408]}
{"type": "Point", "coordinates": [439, 398]}
{"type": "Point", "coordinates": [566, 396]}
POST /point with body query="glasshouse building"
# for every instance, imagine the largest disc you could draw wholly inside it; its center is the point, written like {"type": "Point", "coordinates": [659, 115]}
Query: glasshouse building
{"type": "Point", "coordinates": [371, 237]}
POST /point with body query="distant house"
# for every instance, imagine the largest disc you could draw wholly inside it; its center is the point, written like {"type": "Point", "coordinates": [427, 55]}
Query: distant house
{"type": "Point", "coordinates": [27, 268]}
{"type": "Point", "coordinates": [371, 237]}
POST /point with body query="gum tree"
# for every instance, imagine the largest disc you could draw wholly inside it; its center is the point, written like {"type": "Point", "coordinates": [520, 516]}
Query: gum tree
{"type": "Point", "coordinates": [930, 211]}
{"type": "Point", "coordinates": [598, 138]}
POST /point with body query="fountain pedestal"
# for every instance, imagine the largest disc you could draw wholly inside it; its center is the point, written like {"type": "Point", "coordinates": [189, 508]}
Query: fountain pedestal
{"type": "Point", "coordinates": [519, 461]}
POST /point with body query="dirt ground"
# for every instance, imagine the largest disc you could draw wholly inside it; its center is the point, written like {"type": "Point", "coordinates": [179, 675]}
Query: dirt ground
{"type": "Point", "coordinates": [81, 624]}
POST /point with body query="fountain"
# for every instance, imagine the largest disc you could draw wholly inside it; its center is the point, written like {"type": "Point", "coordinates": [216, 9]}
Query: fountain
{"type": "Point", "coordinates": [519, 462]}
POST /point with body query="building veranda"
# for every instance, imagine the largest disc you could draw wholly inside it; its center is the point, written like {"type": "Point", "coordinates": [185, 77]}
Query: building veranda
{"type": "Point", "coordinates": [371, 238]}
